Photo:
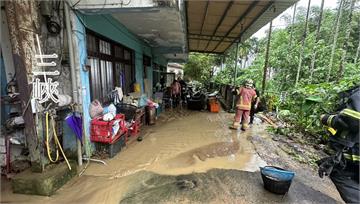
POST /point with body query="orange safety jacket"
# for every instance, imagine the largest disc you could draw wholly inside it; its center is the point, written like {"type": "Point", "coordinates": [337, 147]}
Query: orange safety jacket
{"type": "Point", "coordinates": [247, 95]}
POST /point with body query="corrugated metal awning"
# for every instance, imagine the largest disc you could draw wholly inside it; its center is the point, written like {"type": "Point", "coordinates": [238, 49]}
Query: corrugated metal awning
{"type": "Point", "coordinates": [214, 25]}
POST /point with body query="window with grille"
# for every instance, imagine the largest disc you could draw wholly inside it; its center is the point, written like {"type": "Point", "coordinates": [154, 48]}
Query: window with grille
{"type": "Point", "coordinates": [112, 65]}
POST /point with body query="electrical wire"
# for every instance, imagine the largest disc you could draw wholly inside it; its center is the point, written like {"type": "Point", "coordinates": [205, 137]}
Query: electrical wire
{"type": "Point", "coordinates": [108, 4]}
{"type": "Point", "coordinates": [56, 141]}
{"type": "Point", "coordinates": [103, 6]}
{"type": "Point", "coordinates": [73, 6]}
{"type": "Point", "coordinates": [47, 141]}
{"type": "Point", "coordinates": [122, 3]}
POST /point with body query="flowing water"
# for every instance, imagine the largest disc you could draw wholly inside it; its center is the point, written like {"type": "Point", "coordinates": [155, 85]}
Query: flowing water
{"type": "Point", "coordinates": [181, 143]}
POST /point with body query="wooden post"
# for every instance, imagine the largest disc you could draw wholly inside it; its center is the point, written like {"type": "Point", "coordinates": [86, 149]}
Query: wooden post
{"type": "Point", "coordinates": [23, 24]}
{"type": "Point", "coordinates": [266, 60]}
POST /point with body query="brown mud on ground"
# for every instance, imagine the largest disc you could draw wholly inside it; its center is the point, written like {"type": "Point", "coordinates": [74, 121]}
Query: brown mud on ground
{"type": "Point", "coordinates": [181, 143]}
{"type": "Point", "coordinates": [216, 186]}
{"type": "Point", "coordinates": [219, 149]}
{"type": "Point", "coordinates": [291, 155]}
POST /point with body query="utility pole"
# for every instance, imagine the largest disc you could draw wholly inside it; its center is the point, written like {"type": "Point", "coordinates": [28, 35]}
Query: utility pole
{"type": "Point", "coordinates": [266, 59]}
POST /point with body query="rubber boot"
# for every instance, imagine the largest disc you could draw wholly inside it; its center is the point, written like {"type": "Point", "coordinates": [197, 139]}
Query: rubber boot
{"type": "Point", "coordinates": [244, 126]}
{"type": "Point", "coordinates": [235, 125]}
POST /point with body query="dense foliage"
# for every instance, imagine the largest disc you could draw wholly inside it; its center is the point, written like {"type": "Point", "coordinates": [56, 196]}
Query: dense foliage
{"type": "Point", "coordinates": [314, 95]}
{"type": "Point", "coordinates": [201, 67]}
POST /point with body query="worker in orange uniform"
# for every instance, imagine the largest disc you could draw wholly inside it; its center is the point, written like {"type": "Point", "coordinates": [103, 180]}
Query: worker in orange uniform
{"type": "Point", "coordinates": [243, 106]}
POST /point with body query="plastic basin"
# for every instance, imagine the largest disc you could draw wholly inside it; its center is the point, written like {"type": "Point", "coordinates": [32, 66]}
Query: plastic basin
{"type": "Point", "coordinates": [276, 179]}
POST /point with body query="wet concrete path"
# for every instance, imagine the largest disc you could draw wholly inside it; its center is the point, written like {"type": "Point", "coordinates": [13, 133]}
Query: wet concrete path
{"type": "Point", "coordinates": [186, 157]}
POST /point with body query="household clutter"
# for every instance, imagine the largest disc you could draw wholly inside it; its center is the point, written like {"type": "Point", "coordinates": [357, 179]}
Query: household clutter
{"type": "Point", "coordinates": [113, 125]}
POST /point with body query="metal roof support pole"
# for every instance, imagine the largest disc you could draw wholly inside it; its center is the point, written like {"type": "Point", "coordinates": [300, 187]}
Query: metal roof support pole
{"type": "Point", "coordinates": [266, 60]}
{"type": "Point", "coordinates": [235, 74]}
{"type": "Point", "coordinates": [222, 62]}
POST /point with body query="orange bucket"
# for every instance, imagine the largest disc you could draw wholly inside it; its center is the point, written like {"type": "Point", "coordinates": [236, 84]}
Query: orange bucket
{"type": "Point", "coordinates": [214, 107]}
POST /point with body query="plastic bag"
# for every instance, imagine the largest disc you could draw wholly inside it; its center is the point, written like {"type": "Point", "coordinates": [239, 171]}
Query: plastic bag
{"type": "Point", "coordinates": [96, 109]}
{"type": "Point", "coordinates": [112, 109]}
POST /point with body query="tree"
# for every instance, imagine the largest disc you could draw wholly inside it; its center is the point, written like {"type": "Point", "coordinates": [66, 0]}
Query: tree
{"type": "Point", "coordinates": [303, 44]}
{"type": "Point", "coordinates": [292, 24]}
{"type": "Point", "coordinates": [200, 67]}
{"type": "Point", "coordinates": [346, 43]}
{"type": "Point", "coordinates": [266, 59]}
{"type": "Point", "coordinates": [313, 58]}
{"type": "Point", "coordinates": [336, 35]}
{"type": "Point", "coordinates": [358, 48]}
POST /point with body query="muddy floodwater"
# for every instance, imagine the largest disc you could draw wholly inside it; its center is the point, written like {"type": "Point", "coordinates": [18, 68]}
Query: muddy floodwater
{"type": "Point", "coordinates": [181, 143]}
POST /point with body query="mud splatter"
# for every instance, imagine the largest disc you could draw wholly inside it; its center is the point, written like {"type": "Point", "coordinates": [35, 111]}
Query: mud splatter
{"type": "Point", "coordinates": [217, 186]}
{"type": "Point", "coordinates": [173, 164]}
{"type": "Point", "coordinates": [219, 149]}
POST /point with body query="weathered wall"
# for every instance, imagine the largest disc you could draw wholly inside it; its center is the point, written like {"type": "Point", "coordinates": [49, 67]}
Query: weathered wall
{"type": "Point", "coordinates": [79, 43]}
{"type": "Point", "coordinates": [107, 26]}
{"type": "Point", "coordinates": [6, 47]}
{"type": "Point", "coordinates": [25, 22]}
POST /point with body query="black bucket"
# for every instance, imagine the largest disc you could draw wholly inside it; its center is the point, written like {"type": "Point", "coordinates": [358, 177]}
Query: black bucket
{"type": "Point", "coordinates": [127, 109]}
{"type": "Point", "coordinates": [275, 184]}
{"type": "Point", "coordinates": [150, 115]}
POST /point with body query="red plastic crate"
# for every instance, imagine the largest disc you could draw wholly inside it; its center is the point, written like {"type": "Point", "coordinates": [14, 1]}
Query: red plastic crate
{"type": "Point", "coordinates": [135, 128]}
{"type": "Point", "coordinates": [101, 131]}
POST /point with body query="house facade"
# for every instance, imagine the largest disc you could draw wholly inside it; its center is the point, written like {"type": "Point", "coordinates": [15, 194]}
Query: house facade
{"type": "Point", "coordinates": [98, 47]}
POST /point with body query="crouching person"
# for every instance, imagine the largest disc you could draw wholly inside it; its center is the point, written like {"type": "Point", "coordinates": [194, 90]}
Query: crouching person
{"type": "Point", "coordinates": [343, 165]}
{"type": "Point", "coordinates": [243, 106]}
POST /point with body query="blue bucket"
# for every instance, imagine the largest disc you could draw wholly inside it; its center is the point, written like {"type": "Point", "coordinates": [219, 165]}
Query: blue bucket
{"type": "Point", "coordinates": [276, 180]}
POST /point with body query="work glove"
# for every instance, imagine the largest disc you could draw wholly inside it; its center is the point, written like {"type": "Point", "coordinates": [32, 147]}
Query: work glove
{"type": "Point", "coordinates": [326, 166]}
{"type": "Point", "coordinates": [336, 122]}
{"type": "Point", "coordinates": [323, 119]}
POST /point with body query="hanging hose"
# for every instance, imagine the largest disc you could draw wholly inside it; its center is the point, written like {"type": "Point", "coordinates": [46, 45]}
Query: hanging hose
{"type": "Point", "coordinates": [56, 141]}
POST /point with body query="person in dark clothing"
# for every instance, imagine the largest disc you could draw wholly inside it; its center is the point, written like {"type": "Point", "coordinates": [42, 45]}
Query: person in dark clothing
{"type": "Point", "coordinates": [162, 81]}
{"type": "Point", "coordinates": [254, 105]}
{"type": "Point", "coordinates": [343, 166]}
{"type": "Point", "coordinates": [183, 89]}
{"type": "Point", "coordinates": [175, 93]}
{"type": "Point", "coordinates": [182, 82]}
